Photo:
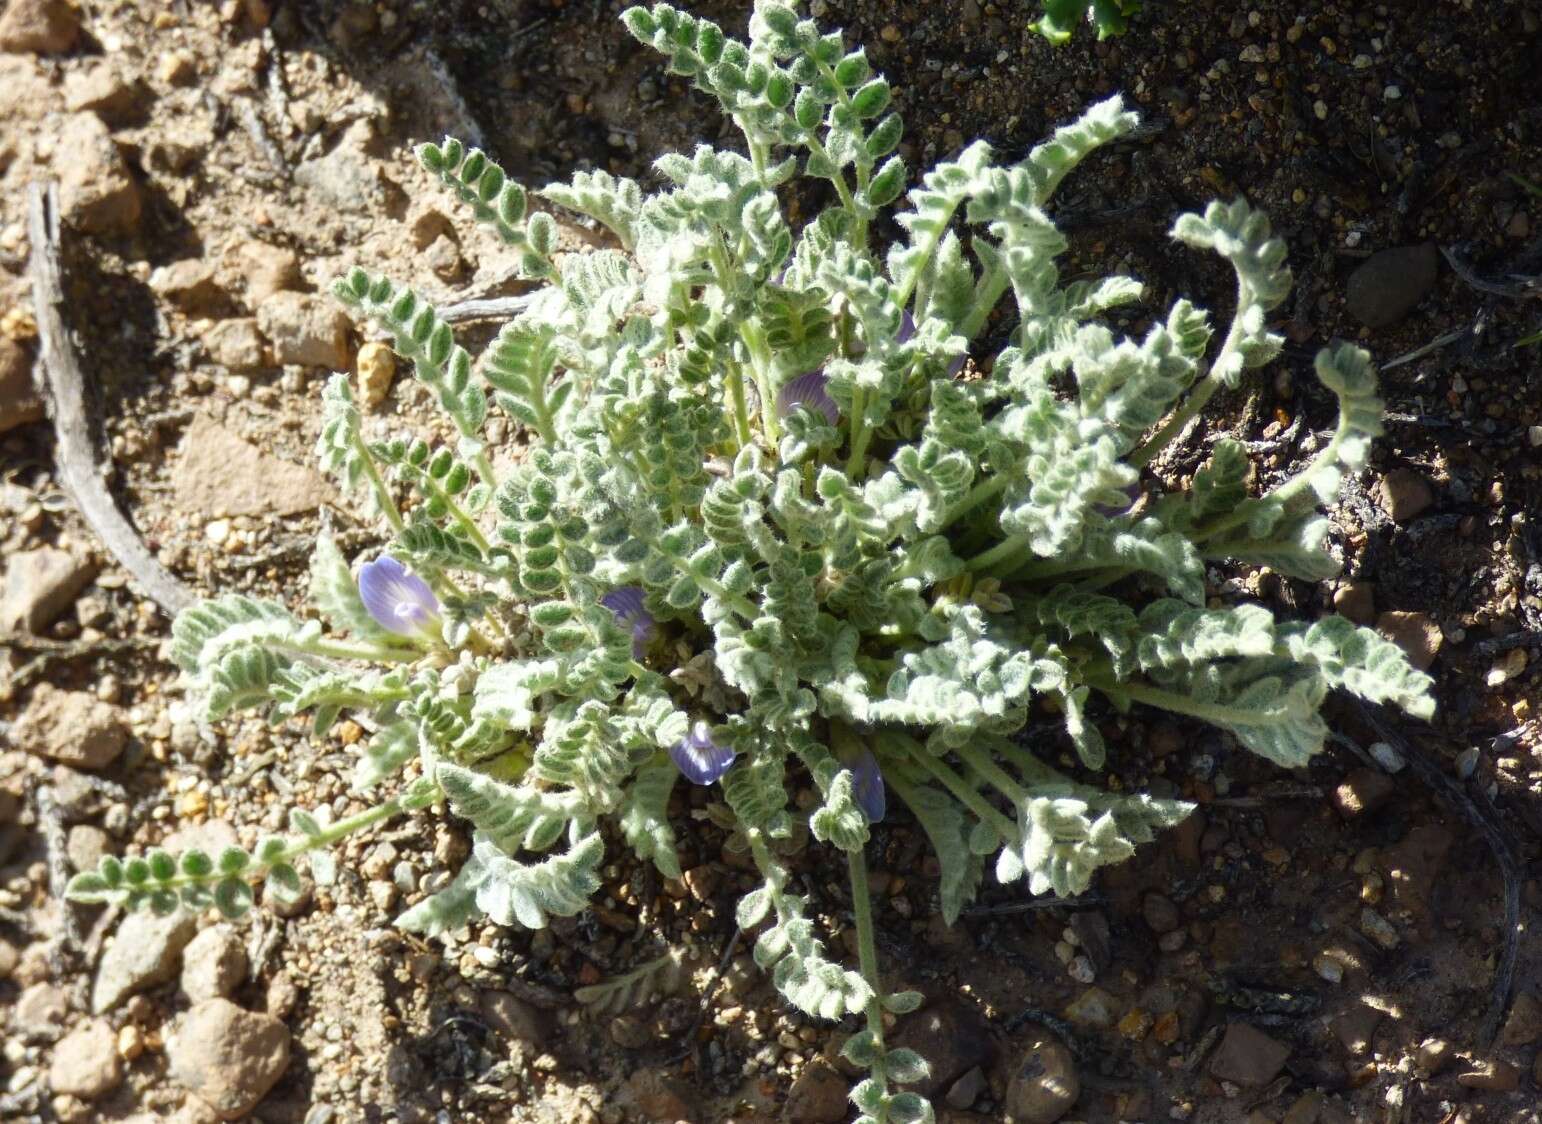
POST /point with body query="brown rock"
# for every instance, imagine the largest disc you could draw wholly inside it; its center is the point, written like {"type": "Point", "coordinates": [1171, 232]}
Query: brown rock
{"type": "Point", "coordinates": [236, 344]}
{"type": "Point", "coordinates": [40, 584]}
{"type": "Point", "coordinates": [819, 1095]}
{"type": "Point", "coordinates": [85, 1063]}
{"type": "Point", "coordinates": [101, 88]}
{"type": "Point", "coordinates": [966, 1090]}
{"type": "Point", "coordinates": [40, 1012]}
{"type": "Point", "coordinates": [1524, 1026]}
{"type": "Point", "coordinates": [97, 193]}
{"type": "Point", "coordinates": [1357, 601]}
{"type": "Point", "coordinates": [188, 284]}
{"type": "Point", "coordinates": [306, 330]}
{"type": "Point", "coordinates": [1356, 1027]}
{"type": "Point", "coordinates": [1385, 287]}
{"type": "Point", "coordinates": [229, 1057]}
{"type": "Point", "coordinates": [1305, 1109]}
{"type": "Point", "coordinates": [1404, 494]}
{"type": "Point", "coordinates": [1160, 912]}
{"type": "Point", "coordinates": [266, 270]}
{"type": "Point", "coordinates": [661, 1098]}
{"type": "Point", "coordinates": [213, 964]}
{"type": "Point", "coordinates": [1412, 866]}
{"type": "Point", "coordinates": [515, 1019]}
{"type": "Point", "coordinates": [1495, 1076]}
{"type": "Point", "coordinates": [951, 1036]}
{"type": "Point", "coordinates": [1416, 633]}
{"type": "Point", "coordinates": [143, 953]}
{"type": "Point", "coordinates": [39, 27]}
{"type": "Point", "coordinates": [219, 474]}
{"type": "Point", "coordinates": [1092, 931]}
{"type": "Point", "coordinates": [1044, 1083]}
{"type": "Point", "coordinates": [1363, 792]}
{"type": "Point", "coordinates": [86, 845]}
{"type": "Point", "coordinates": [1093, 1008]}
{"type": "Point", "coordinates": [74, 727]}
{"type": "Point", "coordinates": [1434, 1054]}
{"type": "Point", "coordinates": [20, 402]}
{"type": "Point", "coordinates": [1248, 1056]}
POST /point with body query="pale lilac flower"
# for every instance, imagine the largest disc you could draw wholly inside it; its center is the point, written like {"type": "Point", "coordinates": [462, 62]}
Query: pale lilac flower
{"type": "Point", "coordinates": [867, 784]}
{"type": "Point", "coordinates": [699, 758]}
{"type": "Point", "coordinates": [627, 603]}
{"type": "Point", "coordinates": [398, 599]}
{"type": "Point", "coordinates": [807, 390]}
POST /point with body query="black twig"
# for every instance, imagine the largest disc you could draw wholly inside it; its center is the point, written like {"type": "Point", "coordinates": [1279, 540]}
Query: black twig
{"type": "Point", "coordinates": [706, 997]}
{"type": "Point", "coordinates": [64, 946]}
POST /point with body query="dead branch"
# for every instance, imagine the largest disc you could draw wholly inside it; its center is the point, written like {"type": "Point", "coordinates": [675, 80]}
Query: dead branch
{"type": "Point", "coordinates": [65, 388]}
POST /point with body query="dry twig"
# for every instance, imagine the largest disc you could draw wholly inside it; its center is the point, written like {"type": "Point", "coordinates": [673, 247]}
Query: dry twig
{"type": "Point", "coordinates": [65, 388]}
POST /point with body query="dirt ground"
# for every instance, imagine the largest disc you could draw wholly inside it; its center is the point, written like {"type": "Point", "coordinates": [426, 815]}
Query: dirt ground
{"type": "Point", "coordinates": [1318, 946]}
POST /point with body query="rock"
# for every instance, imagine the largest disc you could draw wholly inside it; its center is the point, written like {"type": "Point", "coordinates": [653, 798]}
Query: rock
{"type": "Point", "coordinates": [143, 953]}
{"type": "Point", "coordinates": [40, 584]}
{"type": "Point", "coordinates": [40, 1012]}
{"type": "Point", "coordinates": [228, 1057]}
{"type": "Point", "coordinates": [1248, 1056]}
{"type": "Point", "coordinates": [266, 269]}
{"type": "Point", "coordinates": [426, 223]}
{"type": "Point", "coordinates": [20, 403]}
{"type": "Point", "coordinates": [188, 284]}
{"type": "Point", "coordinates": [1404, 494]}
{"type": "Point", "coordinates": [1363, 792]}
{"type": "Point", "coordinates": [377, 367]}
{"type": "Point", "coordinates": [1412, 866]}
{"type": "Point", "coordinates": [515, 1019]}
{"type": "Point", "coordinates": [236, 344]}
{"type": "Point", "coordinates": [1495, 1076]}
{"type": "Point", "coordinates": [1416, 633]}
{"type": "Point", "coordinates": [213, 964]}
{"type": "Point", "coordinates": [630, 1033]}
{"type": "Point", "coordinates": [74, 727]}
{"type": "Point", "coordinates": [660, 1097]}
{"type": "Point", "coordinates": [1434, 1054]}
{"type": "Point", "coordinates": [97, 193]}
{"type": "Point", "coordinates": [1093, 1008]}
{"type": "Point", "coordinates": [1091, 929]}
{"type": "Point", "coordinates": [39, 27]}
{"type": "Point", "coordinates": [1357, 601]}
{"type": "Point", "coordinates": [1044, 1082]}
{"type": "Point", "coordinates": [819, 1095]}
{"type": "Point", "coordinates": [1379, 929]}
{"type": "Point", "coordinates": [1356, 1027]}
{"type": "Point", "coordinates": [101, 88]}
{"type": "Point", "coordinates": [347, 177]}
{"type": "Point", "coordinates": [966, 1090]}
{"type": "Point", "coordinates": [85, 1063]}
{"type": "Point", "coordinates": [282, 996]}
{"type": "Point", "coordinates": [86, 845]}
{"type": "Point", "coordinates": [1524, 1026]}
{"type": "Point", "coordinates": [951, 1036]}
{"type": "Point", "coordinates": [219, 474]}
{"type": "Point", "coordinates": [1160, 912]}
{"type": "Point", "coordinates": [443, 257]}
{"type": "Point", "coordinates": [305, 329]}
{"type": "Point", "coordinates": [1385, 287]}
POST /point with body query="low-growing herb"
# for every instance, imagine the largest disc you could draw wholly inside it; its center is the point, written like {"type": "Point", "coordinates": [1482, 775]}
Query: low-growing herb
{"type": "Point", "coordinates": [767, 530]}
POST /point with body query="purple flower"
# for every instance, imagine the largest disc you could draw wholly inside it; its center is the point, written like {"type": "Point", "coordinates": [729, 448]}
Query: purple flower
{"type": "Point", "coordinates": [867, 784]}
{"type": "Point", "coordinates": [699, 758]}
{"type": "Point", "coordinates": [1114, 511]}
{"type": "Point", "coordinates": [807, 390]}
{"type": "Point", "coordinates": [398, 599]}
{"type": "Point", "coordinates": [627, 603]}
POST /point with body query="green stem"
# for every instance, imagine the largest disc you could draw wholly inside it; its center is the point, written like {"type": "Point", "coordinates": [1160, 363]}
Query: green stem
{"type": "Point", "coordinates": [338, 650]}
{"type": "Point", "coordinates": [993, 773]}
{"type": "Point", "coordinates": [867, 947]}
{"type": "Point", "coordinates": [987, 293]}
{"type": "Point", "coordinates": [860, 433]}
{"type": "Point", "coordinates": [1199, 395]}
{"type": "Point", "coordinates": [980, 493]}
{"type": "Point", "coordinates": [956, 784]}
{"type": "Point", "coordinates": [1005, 551]}
{"type": "Point", "coordinates": [377, 482]}
{"type": "Point", "coordinates": [1215, 713]}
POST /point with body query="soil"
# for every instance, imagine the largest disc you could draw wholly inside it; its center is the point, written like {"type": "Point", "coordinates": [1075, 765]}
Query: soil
{"type": "Point", "coordinates": [1347, 915]}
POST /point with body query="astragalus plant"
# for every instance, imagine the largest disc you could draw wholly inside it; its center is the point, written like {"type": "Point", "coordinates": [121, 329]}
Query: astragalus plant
{"type": "Point", "coordinates": [762, 525]}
